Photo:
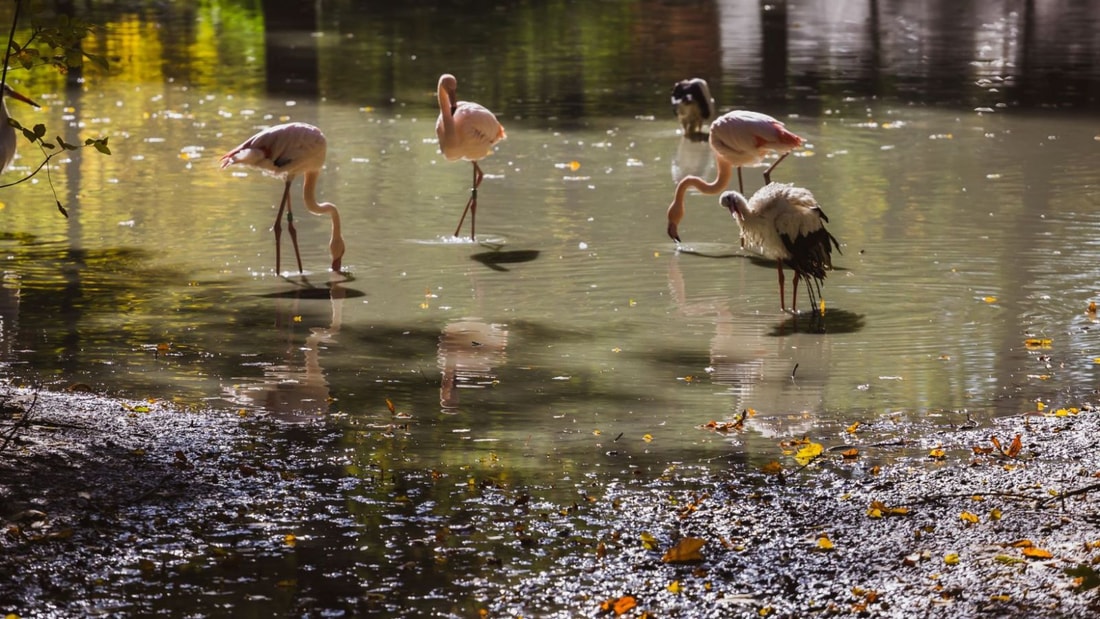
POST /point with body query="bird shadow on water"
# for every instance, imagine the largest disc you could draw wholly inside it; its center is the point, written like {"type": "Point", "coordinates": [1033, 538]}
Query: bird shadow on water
{"type": "Point", "coordinates": [833, 321]}
{"type": "Point", "coordinates": [305, 289]}
{"type": "Point", "coordinates": [496, 260]}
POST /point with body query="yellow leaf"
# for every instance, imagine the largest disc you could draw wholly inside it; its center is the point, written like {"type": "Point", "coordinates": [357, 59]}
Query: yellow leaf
{"type": "Point", "coordinates": [824, 543]}
{"type": "Point", "coordinates": [648, 541]}
{"type": "Point", "coordinates": [952, 559]}
{"type": "Point", "coordinates": [937, 454]}
{"type": "Point", "coordinates": [1034, 343]}
{"type": "Point", "coordinates": [675, 586]}
{"type": "Point", "coordinates": [969, 517]}
{"type": "Point", "coordinates": [852, 428]}
{"type": "Point", "coordinates": [1000, 598]}
{"type": "Point", "coordinates": [995, 514]}
{"type": "Point", "coordinates": [990, 299]}
{"type": "Point", "coordinates": [298, 318]}
{"type": "Point", "coordinates": [574, 165]}
{"type": "Point", "coordinates": [647, 438]}
{"type": "Point", "coordinates": [687, 550]}
{"type": "Point", "coordinates": [290, 540]}
{"type": "Point", "coordinates": [764, 611]}
{"type": "Point", "coordinates": [808, 452]}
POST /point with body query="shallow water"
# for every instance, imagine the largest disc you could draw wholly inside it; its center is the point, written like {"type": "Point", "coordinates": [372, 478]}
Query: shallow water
{"type": "Point", "coordinates": [575, 339]}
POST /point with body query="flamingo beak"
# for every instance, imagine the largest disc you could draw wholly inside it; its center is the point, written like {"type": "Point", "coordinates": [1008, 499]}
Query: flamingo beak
{"type": "Point", "coordinates": [25, 99]}
{"type": "Point", "coordinates": [673, 231]}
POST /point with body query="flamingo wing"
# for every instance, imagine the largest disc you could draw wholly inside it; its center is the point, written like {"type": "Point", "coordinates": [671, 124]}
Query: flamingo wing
{"type": "Point", "coordinates": [281, 150]}
{"type": "Point", "coordinates": [744, 137]}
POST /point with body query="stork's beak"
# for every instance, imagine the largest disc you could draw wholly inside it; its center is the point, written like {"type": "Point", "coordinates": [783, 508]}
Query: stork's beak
{"type": "Point", "coordinates": [21, 97]}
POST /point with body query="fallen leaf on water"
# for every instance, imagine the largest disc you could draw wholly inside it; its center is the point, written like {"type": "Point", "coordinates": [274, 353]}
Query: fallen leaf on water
{"type": "Point", "coordinates": [619, 606]}
{"type": "Point", "coordinates": [647, 438]}
{"type": "Point", "coordinates": [990, 299]}
{"type": "Point", "coordinates": [850, 454]}
{"type": "Point", "coordinates": [389, 405]}
{"type": "Point", "coordinates": [290, 540]}
{"type": "Point", "coordinates": [675, 587]}
{"type": "Point", "coordinates": [687, 550]}
{"type": "Point", "coordinates": [1008, 560]}
{"type": "Point", "coordinates": [808, 452]}
{"type": "Point", "coordinates": [648, 541]}
{"type": "Point", "coordinates": [951, 559]}
{"type": "Point", "coordinates": [824, 543]}
{"type": "Point", "coordinates": [772, 468]}
{"type": "Point", "coordinates": [1035, 343]}
{"type": "Point", "coordinates": [1000, 598]}
{"type": "Point", "coordinates": [937, 454]}
{"type": "Point", "coordinates": [969, 517]}
{"type": "Point", "coordinates": [852, 428]}
{"type": "Point", "coordinates": [878, 509]}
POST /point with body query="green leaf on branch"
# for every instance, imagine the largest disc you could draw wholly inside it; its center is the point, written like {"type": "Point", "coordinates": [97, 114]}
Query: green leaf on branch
{"type": "Point", "coordinates": [62, 209]}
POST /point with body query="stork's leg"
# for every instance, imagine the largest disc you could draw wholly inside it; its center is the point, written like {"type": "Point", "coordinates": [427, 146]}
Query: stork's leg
{"type": "Point", "coordinates": [293, 232]}
{"type": "Point", "coordinates": [768, 172]}
{"type": "Point", "coordinates": [794, 297]}
{"type": "Point", "coordinates": [782, 303]}
{"type": "Point", "coordinates": [278, 228]}
{"type": "Point", "coordinates": [471, 204]}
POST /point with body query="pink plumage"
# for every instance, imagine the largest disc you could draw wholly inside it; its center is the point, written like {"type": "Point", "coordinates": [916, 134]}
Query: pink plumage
{"type": "Point", "coordinates": [286, 151]}
{"type": "Point", "coordinates": [466, 131]}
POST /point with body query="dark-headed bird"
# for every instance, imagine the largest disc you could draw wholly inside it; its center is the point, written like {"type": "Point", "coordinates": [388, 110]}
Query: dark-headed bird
{"type": "Point", "coordinates": [785, 223]}
{"type": "Point", "coordinates": [737, 138]}
{"type": "Point", "coordinates": [693, 105]}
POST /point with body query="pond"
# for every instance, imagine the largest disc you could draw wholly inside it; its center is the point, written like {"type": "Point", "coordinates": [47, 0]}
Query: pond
{"type": "Point", "coordinates": [573, 342]}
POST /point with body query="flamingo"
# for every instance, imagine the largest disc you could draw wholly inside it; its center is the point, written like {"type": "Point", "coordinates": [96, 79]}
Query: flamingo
{"type": "Point", "coordinates": [785, 223]}
{"type": "Point", "coordinates": [737, 138]}
{"type": "Point", "coordinates": [7, 132]}
{"type": "Point", "coordinates": [285, 151]}
{"type": "Point", "coordinates": [466, 131]}
{"type": "Point", "coordinates": [693, 105]}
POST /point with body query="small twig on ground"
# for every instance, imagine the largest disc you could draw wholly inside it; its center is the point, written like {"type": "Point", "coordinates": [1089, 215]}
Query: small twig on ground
{"type": "Point", "coordinates": [20, 424]}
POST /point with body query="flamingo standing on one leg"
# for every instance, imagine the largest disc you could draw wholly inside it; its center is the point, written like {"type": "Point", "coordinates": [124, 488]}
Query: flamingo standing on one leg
{"type": "Point", "coordinates": [785, 223]}
{"type": "Point", "coordinates": [7, 132]}
{"type": "Point", "coordinates": [737, 138]}
{"type": "Point", "coordinates": [466, 131]}
{"type": "Point", "coordinates": [285, 151]}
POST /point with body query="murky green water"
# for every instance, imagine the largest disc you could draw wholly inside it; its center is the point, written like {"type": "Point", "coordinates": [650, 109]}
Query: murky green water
{"type": "Point", "coordinates": [575, 339]}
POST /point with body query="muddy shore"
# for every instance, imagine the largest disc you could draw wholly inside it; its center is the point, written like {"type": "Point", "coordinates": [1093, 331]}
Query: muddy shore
{"type": "Point", "coordinates": [91, 486]}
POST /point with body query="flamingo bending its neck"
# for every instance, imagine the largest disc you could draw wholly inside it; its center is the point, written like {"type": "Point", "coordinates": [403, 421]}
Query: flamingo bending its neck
{"type": "Point", "coordinates": [466, 131]}
{"type": "Point", "coordinates": [737, 138]}
{"type": "Point", "coordinates": [285, 151]}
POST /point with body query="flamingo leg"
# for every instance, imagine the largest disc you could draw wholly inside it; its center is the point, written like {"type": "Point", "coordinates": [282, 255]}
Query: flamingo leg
{"type": "Point", "coordinates": [471, 204]}
{"type": "Point", "coordinates": [768, 172]}
{"type": "Point", "coordinates": [782, 303]}
{"type": "Point", "coordinates": [741, 186]}
{"type": "Point", "coordinates": [278, 228]}
{"type": "Point", "coordinates": [293, 232]}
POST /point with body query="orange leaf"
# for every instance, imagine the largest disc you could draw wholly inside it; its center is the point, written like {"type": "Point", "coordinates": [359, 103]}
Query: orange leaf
{"type": "Point", "coordinates": [619, 605]}
{"type": "Point", "coordinates": [1032, 552]}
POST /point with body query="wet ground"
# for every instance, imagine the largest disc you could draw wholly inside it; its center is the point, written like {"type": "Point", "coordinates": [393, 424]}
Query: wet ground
{"type": "Point", "coordinates": [125, 507]}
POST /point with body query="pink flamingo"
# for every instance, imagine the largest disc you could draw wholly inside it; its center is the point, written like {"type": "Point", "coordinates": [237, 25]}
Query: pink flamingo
{"type": "Point", "coordinates": [785, 223]}
{"type": "Point", "coordinates": [466, 131]}
{"type": "Point", "coordinates": [285, 151]}
{"type": "Point", "coordinates": [737, 138]}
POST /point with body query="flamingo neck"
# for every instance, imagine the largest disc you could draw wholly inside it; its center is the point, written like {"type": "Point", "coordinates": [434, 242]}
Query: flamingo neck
{"type": "Point", "coordinates": [725, 173]}
{"type": "Point", "coordinates": [446, 110]}
{"type": "Point", "coordinates": [309, 196]}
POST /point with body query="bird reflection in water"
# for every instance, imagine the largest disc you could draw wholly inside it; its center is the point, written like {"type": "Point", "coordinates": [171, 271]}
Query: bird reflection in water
{"type": "Point", "coordinates": [751, 365]}
{"type": "Point", "coordinates": [470, 350]}
{"type": "Point", "coordinates": [297, 391]}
